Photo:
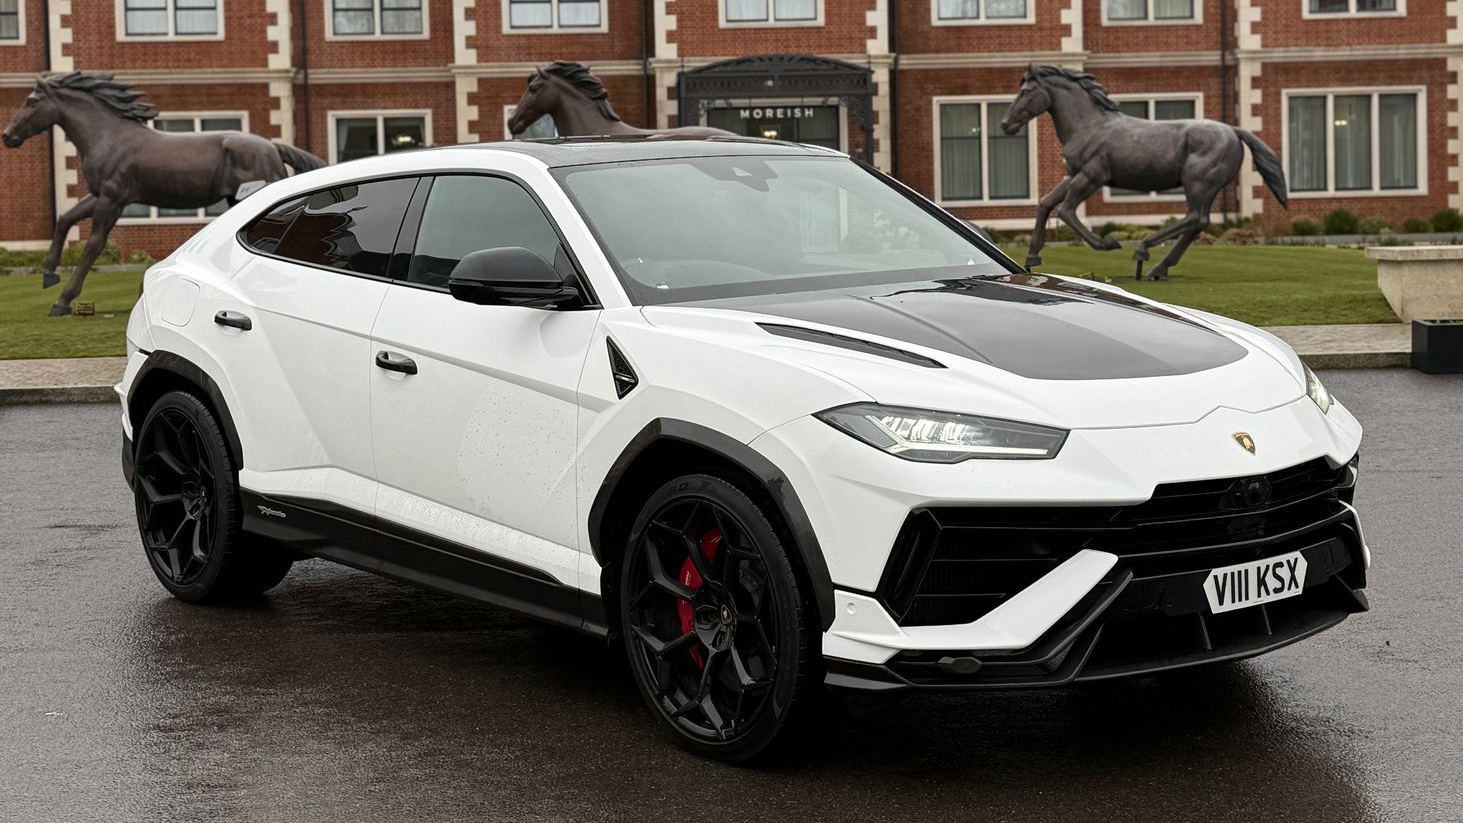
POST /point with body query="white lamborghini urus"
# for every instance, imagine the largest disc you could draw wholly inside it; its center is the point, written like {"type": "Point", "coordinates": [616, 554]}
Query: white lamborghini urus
{"type": "Point", "coordinates": [764, 417]}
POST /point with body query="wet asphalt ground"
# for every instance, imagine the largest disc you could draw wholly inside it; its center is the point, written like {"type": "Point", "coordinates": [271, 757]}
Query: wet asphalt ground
{"type": "Point", "coordinates": [345, 697]}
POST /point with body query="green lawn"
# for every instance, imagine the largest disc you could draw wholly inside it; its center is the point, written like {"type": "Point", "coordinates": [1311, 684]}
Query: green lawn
{"type": "Point", "coordinates": [1260, 285]}
{"type": "Point", "coordinates": [26, 331]}
{"type": "Point", "coordinates": [1263, 285]}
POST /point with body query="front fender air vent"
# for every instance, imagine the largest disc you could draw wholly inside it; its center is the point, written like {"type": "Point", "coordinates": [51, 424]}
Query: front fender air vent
{"type": "Point", "coordinates": [625, 379]}
{"type": "Point", "coordinates": [851, 343]}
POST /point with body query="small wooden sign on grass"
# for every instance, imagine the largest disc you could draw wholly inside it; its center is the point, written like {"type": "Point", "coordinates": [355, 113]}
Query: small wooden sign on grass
{"type": "Point", "coordinates": [84, 309]}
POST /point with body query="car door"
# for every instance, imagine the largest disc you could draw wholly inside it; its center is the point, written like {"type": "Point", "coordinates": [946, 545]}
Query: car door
{"type": "Point", "coordinates": [294, 327]}
{"type": "Point", "coordinates": [477, 444]}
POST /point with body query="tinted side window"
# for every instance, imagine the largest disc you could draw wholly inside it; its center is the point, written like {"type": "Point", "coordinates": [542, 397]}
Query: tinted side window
{"type": "Point", "coordinates": [352, 228]}
{"type": "Point", "coordinates": [264, 233]}
{"type": "Point", "coordinates": [465, 214]}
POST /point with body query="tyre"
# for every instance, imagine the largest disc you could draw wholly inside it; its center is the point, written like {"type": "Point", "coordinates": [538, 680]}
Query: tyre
{"type": "Point", "coordinates": [188, 513]}
{"type": "Point", "coordinates": [716, 628]}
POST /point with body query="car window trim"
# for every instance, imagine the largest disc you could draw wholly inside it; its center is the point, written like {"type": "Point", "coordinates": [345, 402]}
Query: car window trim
{"type": "Point", "coordinates": [591, 300]}
{"type": "Point", "coordinates": [408, 244]}
{"type": "Point", "coordinates": [416, 177]}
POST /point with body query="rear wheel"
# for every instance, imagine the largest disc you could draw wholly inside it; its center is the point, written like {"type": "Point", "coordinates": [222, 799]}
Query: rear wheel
{"type": "Point", "coordinates": [714, 622]}
{"type": "Point", "coordinates": [188, 512]}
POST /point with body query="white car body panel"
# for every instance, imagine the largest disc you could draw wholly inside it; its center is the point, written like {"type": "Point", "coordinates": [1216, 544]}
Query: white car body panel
{"type": "Point", "coordinates": [477, 435]}
{"type": "Point", "coordinates": [864, 631]}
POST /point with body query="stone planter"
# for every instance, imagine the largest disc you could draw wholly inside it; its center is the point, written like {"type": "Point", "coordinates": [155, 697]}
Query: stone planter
{"type": "Point", "coordinates": [1420, 282]}
{"type": "Point", "coordinates": [1437, 346]}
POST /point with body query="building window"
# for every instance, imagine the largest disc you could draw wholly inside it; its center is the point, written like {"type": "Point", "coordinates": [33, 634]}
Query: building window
{"type": "Point", "coordinates": [537, 130]}
{"type": "Point", "coordinates": [769, 11]}
{"type": "Point", "coordinates": [182, 124]}
{"type": "Point", "coordinates": [1183, 108]}
{"type": "Point", "coordinates": [1364, 142]}
{"type": "Point", "coordinates": [1331, 8]}
{"type": "Point", "coordinates": [976, 161]}
{"type": "Point", "coordinates": [353, 136]}
{"type": "Point", "coordinates": [9, 20]}
{"type": "Point", "coordinates": [170, 18]}
{"type": "Point", "coordinates": [1150, 11]}
{"type": "Point", "coordinates": [957, 12]}
{"type": "Point", "coordinates": [547, 15]}
{"type": "Point", "coordinates": [377, 18]}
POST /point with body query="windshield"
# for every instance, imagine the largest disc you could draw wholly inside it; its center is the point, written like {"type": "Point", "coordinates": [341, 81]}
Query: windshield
{"type": "Point", "coordinates": [712, 227]}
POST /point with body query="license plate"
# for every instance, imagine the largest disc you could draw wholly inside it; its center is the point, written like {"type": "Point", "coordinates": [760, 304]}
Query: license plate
{"type": "Point", "coordinates": [1255, 582]}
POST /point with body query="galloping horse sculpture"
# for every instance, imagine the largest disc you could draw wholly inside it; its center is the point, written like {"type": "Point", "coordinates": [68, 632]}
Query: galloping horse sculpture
{"type": "Point", "coordinates": [124, 161]}
{"type": "Point", "coordinates": [1101, 146]}
{"type": "Point", "coordinates": [580, 106]}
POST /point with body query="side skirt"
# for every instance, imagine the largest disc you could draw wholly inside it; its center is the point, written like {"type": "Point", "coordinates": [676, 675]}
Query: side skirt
{"type": "Point", "coordinates": [364, 541]}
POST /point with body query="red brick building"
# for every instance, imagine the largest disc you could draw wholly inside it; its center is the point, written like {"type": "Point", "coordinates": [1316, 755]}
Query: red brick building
{"type": "Point", "coordinates": [1359, 97]}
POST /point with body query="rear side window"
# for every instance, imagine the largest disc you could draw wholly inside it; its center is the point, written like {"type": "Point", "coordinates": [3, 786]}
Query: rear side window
{"type": "Point", "coordinates": [467, 213]}
{"type": "Point", "coordinates": [352, 228]}
{"type": "Point", "coordinates": [265, 232]}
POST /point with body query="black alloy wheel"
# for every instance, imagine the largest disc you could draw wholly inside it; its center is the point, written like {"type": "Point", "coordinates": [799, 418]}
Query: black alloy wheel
{"type": "Point", "coordinates": [713, 619]}
{"type": "Point", "coordinates": [187, 499]}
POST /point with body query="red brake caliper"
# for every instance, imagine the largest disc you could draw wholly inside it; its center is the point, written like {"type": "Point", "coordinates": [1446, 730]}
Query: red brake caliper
{"type": "Point", "coordinates": [710, 541]}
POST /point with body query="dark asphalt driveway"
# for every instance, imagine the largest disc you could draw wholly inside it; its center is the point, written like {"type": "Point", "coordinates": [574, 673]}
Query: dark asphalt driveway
{"type": "Point", "coordinates": [345, 697]}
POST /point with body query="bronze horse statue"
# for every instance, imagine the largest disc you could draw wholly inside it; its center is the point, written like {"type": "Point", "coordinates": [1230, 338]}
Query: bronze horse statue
{"type": "Point", "coordinates": [580, 106]}
{"type": "Point", "coordinates": [124, 161]}
{"type": "Point", "coordinates": [1101, 146]}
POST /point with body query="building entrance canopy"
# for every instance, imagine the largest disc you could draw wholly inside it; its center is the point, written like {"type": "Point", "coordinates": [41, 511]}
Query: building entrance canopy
{"type": "Point", "coordinates": [754, 84]}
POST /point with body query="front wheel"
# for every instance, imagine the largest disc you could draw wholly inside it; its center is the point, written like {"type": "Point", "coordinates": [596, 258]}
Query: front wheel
{"type": "Point", "coordinates": [187, 497]}
{"type": "Point", "coordinates": [714, 621]}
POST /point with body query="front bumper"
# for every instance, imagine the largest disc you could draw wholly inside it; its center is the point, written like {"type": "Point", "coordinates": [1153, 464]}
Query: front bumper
{"type": "Point", "coordinates": [1112, 635]}
{"type": "Point", "coordinates": [1128, 602]}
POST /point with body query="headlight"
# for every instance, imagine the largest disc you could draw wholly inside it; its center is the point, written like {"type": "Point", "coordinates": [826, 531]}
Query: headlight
{"type": "Point", "coordinates": [944, 437]}
{"type": "Point", "coordinates": [1317, 391]}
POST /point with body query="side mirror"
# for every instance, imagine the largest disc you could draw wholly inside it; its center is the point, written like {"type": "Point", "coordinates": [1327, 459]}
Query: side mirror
{"type": "Point", "coordinates": [510, 276]}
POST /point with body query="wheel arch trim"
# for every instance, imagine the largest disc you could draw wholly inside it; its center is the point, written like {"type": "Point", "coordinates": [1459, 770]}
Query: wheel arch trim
{"type": "Point", "coordinates": [771, 478]}
{"type": "Point", "coordinates": [180, 367]}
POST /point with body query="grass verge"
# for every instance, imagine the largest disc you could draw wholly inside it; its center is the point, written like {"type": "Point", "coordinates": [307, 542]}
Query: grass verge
{"type": "Point", "coordinates": [1260, 285]}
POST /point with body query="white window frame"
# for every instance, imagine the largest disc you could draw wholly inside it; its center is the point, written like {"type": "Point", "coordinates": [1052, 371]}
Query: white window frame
{"type": "Point", "coordinates": [328, 7]}
{"type": "Point", "coordinates": [1196, 20]}
{"type": "Point", "coordinates": [985, 155]}
{"type": "Point", "coordinates": [554, 27]}
{"type": "Point", "coordinates": [1376, 92]}
{"type": "Point", "coordinates": [1350, 13]}
{"type": "Point", "coordinates": [1151, 99]}
{"type": "Point", "coordinates": [177, 220]}
{"type": "Point", "coordinates": [19, 26]}
{"type": "Point", "coordinates": [771, 21]}
{"type": "Point", "coordinates": [508, 110]}
{"type": "Point", "coordinates": [1029, 19]}
{"type": "Point", "coordinates": [380, 115]}
{"type": "Point", "coordinates": [172, 36]}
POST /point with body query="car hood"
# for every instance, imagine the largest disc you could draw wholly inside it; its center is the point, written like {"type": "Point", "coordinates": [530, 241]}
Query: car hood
{"type": "Point", "coordinates": [1037, 347]}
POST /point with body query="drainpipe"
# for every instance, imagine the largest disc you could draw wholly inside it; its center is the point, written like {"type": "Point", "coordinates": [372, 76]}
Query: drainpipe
{"type": "Point", "coordinates": [647, 89]}
{"type": "Point", "coordinates": [51, 132]}
{"type": "Point", "coordinates": [304, 28]}
{"type": "Point", "coordinates": [894, 88]}
{"type": "Point", "coordinates": [1224, 108]}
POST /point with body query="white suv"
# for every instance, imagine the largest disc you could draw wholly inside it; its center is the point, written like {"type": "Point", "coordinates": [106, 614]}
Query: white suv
{"type": "Point", "coordinates": [762, 415]}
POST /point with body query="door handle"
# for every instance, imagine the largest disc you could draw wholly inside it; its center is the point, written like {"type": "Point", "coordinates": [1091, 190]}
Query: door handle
{"type": "Point", "coordinates": [396, 362]}
{"type": "Point", "coordinates": [233, 319]}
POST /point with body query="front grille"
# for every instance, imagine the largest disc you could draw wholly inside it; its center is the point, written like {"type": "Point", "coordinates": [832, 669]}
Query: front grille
{"type": "Point", "coordinates": [954, 564]}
